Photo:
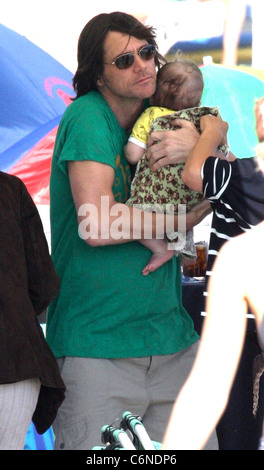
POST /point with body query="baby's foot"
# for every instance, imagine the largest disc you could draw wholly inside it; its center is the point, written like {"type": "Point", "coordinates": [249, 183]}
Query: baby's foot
{"type": "Point", "coordinates": [157, 260]}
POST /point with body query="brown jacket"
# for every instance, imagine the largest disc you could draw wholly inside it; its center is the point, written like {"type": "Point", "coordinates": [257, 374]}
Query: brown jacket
{"type": "Point", "coordinates": [28, 283]}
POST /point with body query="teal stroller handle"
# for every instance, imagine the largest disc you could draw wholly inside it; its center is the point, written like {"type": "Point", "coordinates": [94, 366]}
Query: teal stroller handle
{"type": "Point", "coordinates": [136, 427]}
{"type": "Point", "coordinates": [113, 435]}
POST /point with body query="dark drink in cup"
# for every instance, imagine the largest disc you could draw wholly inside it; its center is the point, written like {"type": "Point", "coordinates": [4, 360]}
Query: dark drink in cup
{"type": "Point", "coordinates": [197, 268]}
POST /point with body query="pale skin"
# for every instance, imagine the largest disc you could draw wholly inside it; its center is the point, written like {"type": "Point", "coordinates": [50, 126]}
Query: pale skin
{"type": "Point", "coordinates": [235, 11]}
{"type": "Point", "coordinates": [205, 394]}
{"type": "Point", "coordinates": [90, 181]}
{"type": "Point", "coordinates": [234, 19]}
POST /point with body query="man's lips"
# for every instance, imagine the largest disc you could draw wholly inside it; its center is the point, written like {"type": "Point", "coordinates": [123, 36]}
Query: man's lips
{"type": "Point", "coordinates": [143, 80]}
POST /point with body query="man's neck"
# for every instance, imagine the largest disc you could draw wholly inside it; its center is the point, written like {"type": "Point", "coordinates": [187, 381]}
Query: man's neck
{"type": "Point", "coordinates": [126, 110]}
{"type": "Point", "coordinates": [128, 113]}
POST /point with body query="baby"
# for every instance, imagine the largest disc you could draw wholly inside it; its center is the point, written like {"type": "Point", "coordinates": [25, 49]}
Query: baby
{"type": "Point", "coordinates": [178, 95]}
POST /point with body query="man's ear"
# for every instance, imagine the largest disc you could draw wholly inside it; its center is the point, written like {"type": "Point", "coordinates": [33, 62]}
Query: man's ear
{"type": "Point", "coordinates": [100, 82]}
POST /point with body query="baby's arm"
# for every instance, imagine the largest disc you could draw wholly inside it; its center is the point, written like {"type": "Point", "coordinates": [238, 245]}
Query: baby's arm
{"type": "Point", "coordinates": [138, 140]}
{"type": "Point", "coordinates": [133, 152]}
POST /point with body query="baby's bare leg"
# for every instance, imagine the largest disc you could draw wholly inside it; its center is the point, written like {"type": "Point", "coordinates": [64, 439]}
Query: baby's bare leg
{"type": "Point", "coordinates": [161, 254]}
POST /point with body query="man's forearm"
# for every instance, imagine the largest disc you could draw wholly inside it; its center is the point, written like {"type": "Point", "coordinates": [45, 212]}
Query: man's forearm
{"type": "Point", "coordinates": [118, 223]}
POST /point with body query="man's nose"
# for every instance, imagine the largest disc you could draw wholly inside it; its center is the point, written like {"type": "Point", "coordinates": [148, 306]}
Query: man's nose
{"type": "Point", "coordinates": [138, 62]}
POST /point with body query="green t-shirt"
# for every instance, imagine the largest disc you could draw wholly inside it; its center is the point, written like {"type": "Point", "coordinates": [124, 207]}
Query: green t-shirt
{"type": "Point", "coordinates": [106, 307]}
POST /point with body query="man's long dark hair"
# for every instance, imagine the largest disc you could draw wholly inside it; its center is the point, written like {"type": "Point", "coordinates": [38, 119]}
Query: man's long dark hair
{"type": "Point", "coordinates": [90, 46]}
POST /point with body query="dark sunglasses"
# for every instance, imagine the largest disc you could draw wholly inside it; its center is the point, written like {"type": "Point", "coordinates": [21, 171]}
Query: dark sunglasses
{"type": "Point", "coordinates": [124, 61]}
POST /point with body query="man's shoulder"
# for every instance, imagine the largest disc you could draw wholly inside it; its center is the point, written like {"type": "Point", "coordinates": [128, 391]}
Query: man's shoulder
{"type": "Point", "coordinates": [93, 98]}
{"type": "Point", "coordinates": [85, 109]}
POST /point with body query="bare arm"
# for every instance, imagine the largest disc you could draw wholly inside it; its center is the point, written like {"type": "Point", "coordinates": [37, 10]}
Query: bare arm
{"type": "Point", "coordinates": [214, 131]}
{"type": "Point", "coordinates": [234, 18]}
{"type": "Point", "coordinates": [204, 396]}
{"type": "Point", "coordinates": [103, 221]}
{"type": "Point", "coordinates": [133, 152]}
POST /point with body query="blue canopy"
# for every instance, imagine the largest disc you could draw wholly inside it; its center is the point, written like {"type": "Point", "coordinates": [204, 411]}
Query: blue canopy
{"type": "Point", "coordinates": [34, 92]}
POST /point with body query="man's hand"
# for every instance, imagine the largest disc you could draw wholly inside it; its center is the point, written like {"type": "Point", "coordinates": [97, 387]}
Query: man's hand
{"type": "Point", "coordinates": [172, 146]}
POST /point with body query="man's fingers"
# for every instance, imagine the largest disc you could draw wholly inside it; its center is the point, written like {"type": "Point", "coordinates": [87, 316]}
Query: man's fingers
{"type": "Point", "coordinates": [157, 164]}
{"type": "Point", "coordinates": [183, 124]}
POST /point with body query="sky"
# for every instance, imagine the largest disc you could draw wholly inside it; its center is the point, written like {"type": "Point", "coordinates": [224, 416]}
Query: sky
{"type": "Point", "coordinates": [55, 25]}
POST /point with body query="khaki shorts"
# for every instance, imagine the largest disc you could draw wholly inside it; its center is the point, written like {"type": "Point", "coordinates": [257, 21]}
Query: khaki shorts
{"type": "Point", "coordinates": [98, 391]}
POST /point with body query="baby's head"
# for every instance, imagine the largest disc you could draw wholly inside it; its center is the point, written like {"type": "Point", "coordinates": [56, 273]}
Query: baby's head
{"type": "Point", "coordinates": [179, 85]}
